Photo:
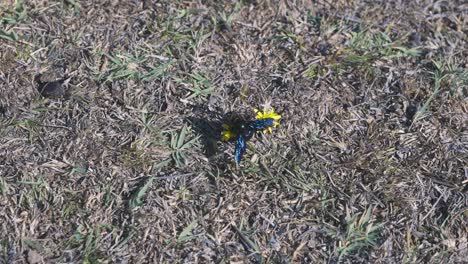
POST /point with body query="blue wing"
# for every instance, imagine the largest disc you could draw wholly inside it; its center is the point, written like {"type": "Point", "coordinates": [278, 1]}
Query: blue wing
{"type": "Point", "coordinates": [240, 148]}
{"type": "Point", "coordinates": [261, 124]}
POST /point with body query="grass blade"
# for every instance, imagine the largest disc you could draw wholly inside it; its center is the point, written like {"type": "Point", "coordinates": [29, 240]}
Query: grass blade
{"type": "Point", "coordinates": [185, 234]}
{"type": "Point", "coordinates": [137, 200]}
{"type": "Point", "coordinates": [181, 137]}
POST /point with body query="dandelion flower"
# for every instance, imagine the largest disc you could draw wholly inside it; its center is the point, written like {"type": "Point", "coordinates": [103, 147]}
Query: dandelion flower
{"type": "Point", "coordinates": [228, 133]}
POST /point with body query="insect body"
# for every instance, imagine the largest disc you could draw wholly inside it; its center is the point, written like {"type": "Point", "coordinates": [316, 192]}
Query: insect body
{"type": "Point", "coordinates": [245, 131]}
{"type": "Point", "coordinates": [241, 130]}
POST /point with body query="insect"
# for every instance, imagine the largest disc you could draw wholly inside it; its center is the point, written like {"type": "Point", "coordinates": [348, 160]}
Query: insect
{"type": "Point", "coordinates": [244, 131]}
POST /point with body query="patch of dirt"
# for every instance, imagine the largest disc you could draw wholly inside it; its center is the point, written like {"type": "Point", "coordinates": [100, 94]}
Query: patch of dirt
{"type": "Point", "coordinates": [113, 154]}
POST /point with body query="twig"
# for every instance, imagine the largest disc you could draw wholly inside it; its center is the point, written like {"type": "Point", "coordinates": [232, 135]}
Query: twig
{"type": "Point", "coordinates": [171, 177]}
{"type": "Point", "coordinates": [432, 209]}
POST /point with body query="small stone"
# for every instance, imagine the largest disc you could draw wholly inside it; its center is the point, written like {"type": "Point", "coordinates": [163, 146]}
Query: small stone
{"type": "Point", "coordinates": [34, 257]}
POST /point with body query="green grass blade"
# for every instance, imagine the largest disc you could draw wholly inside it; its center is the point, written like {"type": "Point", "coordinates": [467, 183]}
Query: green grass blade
{"type": "Point", "coordinates": [181, 138]}
{"type": "Point", "coordinates": [185, 234]}
{"type": "Point", "coordinates": [12, 36]}
{"type": "Point", "coordinates": [137, 200]}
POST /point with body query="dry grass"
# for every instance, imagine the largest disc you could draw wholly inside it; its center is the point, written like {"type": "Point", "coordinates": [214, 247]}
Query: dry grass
{"type": "Point", "coordinates": [120, 160]}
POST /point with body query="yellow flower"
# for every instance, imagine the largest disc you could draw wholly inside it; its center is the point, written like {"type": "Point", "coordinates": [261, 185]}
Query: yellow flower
{"type": "Point", "coordinates": [227, 134]}
{"type": "Point", "coordinates": [266, 115]}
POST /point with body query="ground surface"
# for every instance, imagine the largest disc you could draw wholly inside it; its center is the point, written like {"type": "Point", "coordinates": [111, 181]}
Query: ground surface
{"type": "Point", "coordinates": [112, 154]}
